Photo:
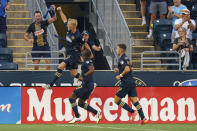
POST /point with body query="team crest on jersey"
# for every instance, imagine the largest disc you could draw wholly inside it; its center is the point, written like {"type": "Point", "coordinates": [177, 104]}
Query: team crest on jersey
{"type": "Point", "coordinates": [122, 62]}
{"type": "Point", "coordinates": [72, 37]}
{"type": "Point", "coordinates": [139, 82]}
{"type": "Point", "coordinates": [87, 62]}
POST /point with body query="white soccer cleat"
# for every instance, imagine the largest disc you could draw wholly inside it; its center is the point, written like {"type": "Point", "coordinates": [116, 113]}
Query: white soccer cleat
{"type": "Point", "coordinates": [47, 86]}
{"type": "Point", "coordinates": [74, 120]}
{"type": "Point", "coordinates": [98, 116]}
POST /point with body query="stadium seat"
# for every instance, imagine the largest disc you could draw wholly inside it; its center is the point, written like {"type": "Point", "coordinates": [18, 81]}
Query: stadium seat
{"type": "Point", "coordinates": [3, 40]}
{"type": "Point", "coordinates": [194, 12]}
{"type": "Point", "coordinates": [165, 42]}
{"type": "Point", "coordinates": [8, 66]}
{"type": "Point", "coordinates": [194, 37]}
{"type": "Point", "coordinates": [195, 2]}
{"type": "Point", "coordinates": [6, 55]}
{"type": "Point", "coordinates": [161, 26]}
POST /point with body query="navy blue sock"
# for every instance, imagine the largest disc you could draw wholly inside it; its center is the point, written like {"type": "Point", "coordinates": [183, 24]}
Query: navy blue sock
{"type": "Point", "coordinates": [125, 106]}
{"type": "Point", "coordinates": [139, 109]}
{"type": "Point", "coordinates": [58, 74]}
{"type": "Point", "coordinates": [88, 107]}
{"type": "Point", "coordinates": [74, 107]}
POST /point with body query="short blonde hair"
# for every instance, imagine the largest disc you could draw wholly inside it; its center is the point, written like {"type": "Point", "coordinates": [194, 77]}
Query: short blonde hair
{"type": "Point", "coordinates": [182, 29]}
{"type": "Point", "coordinates": [73, 22]}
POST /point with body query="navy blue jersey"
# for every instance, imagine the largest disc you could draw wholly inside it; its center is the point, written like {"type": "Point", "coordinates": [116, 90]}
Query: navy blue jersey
{"type": "Point", "coordinates": [122, 63]}
{"type": "Point", "coordinates": [39, 32]}
{"type": "Point", "coordinates": [85, 68]}
{"type": "Point", "coordinates": [73, 42]}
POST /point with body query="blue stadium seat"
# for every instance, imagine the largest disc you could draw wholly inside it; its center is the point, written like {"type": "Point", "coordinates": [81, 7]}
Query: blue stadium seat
{"type": "Point", "coordinates": [161, 26]}
{"type": "Point", "coordinates": [165, 42]}
{"type": "Point", "coordinates": [8, 66]}
{"type": "Point", "coordinates": [194, 37]}
{"type": "Point", "coordinates": [3, 40]}
{"type": "Point", "coordinates": [6, 55]}
{"type": "Point", "coordinates": [194, 12]}
{"type": "Point", "coordinates": [195, 2]}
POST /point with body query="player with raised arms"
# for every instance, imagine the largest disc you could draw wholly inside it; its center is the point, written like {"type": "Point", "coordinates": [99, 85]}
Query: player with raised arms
{"type": "Point", "coordinates": [73, 49]}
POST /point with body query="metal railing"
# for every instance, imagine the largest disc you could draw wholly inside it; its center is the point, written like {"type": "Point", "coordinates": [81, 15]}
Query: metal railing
{"type": "Point", "coordinates": [51, 58]}
{"type": "Point", "coordinates": [160, 58]}
{"type": "Point", "coordinates": [34, 5]}
{"type": "Point", "coordinates": [112, 22]}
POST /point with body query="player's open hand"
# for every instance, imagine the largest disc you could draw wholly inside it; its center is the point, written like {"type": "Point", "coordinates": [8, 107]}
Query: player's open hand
{"type": "Point", "coordinates": [118, 77]}
{"type": "Point", "coordinates": [116, 70]}
{"type": "Point", "coordinates": [59, 9]}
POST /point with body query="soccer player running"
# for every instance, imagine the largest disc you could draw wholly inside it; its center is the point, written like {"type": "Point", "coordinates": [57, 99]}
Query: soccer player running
{"type": "Point", "coordinates": [73, 49]}
{"type": "Point", "coordinates": [84, 91]}
{"type": "Point", "coordinates": [127, 85]}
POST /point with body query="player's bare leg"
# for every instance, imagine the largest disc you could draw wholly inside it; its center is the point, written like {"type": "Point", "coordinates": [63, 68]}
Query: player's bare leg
{"type": "Point", "coordinates": [58, 74]}
{"type": "Point", "coordinates": [73, 103]}
{"type": "Point", "coordinates": [87, 107]}
{"type": "Point", "coordinates": [48, 66]}
{"type": "Point", "coordinates": [136, 103]}
{"type": "Point", "coordinates": [36, 67]}
{"type": "Point", "coordinates": [124, 105]}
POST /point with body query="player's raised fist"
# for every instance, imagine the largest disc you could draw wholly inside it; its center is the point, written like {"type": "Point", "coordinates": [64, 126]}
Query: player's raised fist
{"type": "Point", "coordinates": [59, 8]}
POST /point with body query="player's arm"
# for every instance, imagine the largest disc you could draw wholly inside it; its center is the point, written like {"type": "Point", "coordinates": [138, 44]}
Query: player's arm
{"type": "Point", "coordinates": [90, 71]}
{"type": "Point", "coordinates": [26, 37]}
{"type": "Point", "coordinates": [62, 15]}
{"type": "Point", "coordinates": [8, 6]}
{"type": "Point", "coordinates": [54, 18]}
{"type": "Point", "coordinates": [125, 71]}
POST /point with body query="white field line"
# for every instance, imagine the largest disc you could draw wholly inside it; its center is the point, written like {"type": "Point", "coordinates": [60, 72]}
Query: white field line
{"type": "Point", "coordinates": [109, 127]}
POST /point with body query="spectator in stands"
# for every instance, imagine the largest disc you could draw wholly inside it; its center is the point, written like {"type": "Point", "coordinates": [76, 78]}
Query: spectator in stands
{"type": "Point", "coordinates": [186, 23]}
{"type": "Point", "coordinates": [183, 45]}
{"type": "Point", "coordinates": [143, 11]}
{"type": "Point", "coordinates": [91, 44]}
{"type": "Point", "coordinates": [155, 6]}
{"type": "Point", "coordinates": [39, 31]}
{"type": "Point", "coordinates": [175, 12]}
{"type": "Point", "coordinates": [4, 6]}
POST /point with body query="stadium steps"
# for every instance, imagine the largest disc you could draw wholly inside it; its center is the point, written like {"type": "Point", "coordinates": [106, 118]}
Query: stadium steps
{"type": "Point", "coordinates": [17, 22]}
{"type": "Point", "coordinates": [139, 33]}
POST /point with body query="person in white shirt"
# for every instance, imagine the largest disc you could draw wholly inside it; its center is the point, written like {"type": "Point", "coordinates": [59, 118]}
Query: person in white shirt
{"type": "Point", "coordinates": [186, 23]}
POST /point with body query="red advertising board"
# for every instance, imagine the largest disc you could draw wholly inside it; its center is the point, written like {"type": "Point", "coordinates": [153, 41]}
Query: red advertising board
{"type": "Point", "coordinates": [160, 105]}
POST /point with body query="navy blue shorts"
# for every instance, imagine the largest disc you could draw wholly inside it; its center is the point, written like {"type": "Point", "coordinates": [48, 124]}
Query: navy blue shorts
{"type": "Point", "coordinates": [72, 62]}
{"type": "Point", "coordinates": [41, 48]}
{"type": "Point", "coordinates": [84, 91]}
{"type": "Point", "coordinates": [127, 88]}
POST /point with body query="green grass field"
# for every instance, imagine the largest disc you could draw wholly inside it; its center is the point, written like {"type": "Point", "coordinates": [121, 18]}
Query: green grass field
{"type": "Point", "coordinates": [100, 127]}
